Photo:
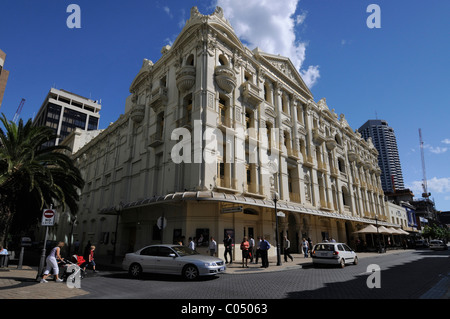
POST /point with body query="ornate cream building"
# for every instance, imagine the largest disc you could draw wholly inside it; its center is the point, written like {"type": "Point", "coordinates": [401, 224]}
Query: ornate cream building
{"type": "Point", "coordinates": [207, 88]}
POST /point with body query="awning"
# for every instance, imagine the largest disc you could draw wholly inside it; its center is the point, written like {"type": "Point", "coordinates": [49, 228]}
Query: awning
{"type": "Point", "coordinates": [384, 230]}
{"type": "Point", "coordinates": [235, 199]}
{"type": "Point", "coordinates": [397, 231]}
{"type": "Point", "coordinates": [370, 229]}
{"type": "Point", "coordinates": [402, 232]}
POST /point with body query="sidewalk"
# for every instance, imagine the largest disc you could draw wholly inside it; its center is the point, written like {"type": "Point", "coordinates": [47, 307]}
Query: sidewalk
{"type": "Point", "coordinates": [21, 283]}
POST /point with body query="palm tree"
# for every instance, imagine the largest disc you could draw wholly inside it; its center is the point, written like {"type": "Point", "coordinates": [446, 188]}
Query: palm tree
{"type": "Point", "coordinates": [30, 173]}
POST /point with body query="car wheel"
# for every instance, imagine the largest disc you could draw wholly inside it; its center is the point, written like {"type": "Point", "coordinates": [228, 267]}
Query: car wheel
{"type": "Point", "coordinates": [355, 261]}
{"type": "Point", "coordinates": [342, 263]}
{"type": "Point", "coordinates": [135, 270]}
{"type": "Point", "coordinates": [190, 272]}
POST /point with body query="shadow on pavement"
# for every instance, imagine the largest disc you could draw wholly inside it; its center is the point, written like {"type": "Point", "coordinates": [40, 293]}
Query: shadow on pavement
{"type": "Point", "coordinates": [410, 280]}
{"type": "Point", "coordinates": [155, 277]}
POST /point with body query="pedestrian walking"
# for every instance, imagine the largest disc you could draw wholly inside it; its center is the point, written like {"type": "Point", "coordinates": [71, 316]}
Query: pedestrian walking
{"type": "Point", "coordinates": [77, 247]}
{"type": "Point", "coordinates": [228, 243]}
{"type": "Point", "coordinates": [191, 244]}
{"type": "Point", "coordinates": [305, 246]}
{"type": "Point", "coordinates": [287, 247]}
{"type": "Point", "coordinates": [264, 248]}
{"type": "Point", "coordinates": [245, 253]}
{"type": "Point", "coordinates": [212, 247]}
{"type": "Point", "coordinates": [3, 257]}
{"type": "Point", "coordinates": [258, 250]}
{"type": "Point", "coordinates": [251, 248]}
{"type": "Point", "coordinates": [310, 246]}
{"type": "Point", "coordinates": [91, 261]}
{"type": "Point", "coordinates": [52, 263]}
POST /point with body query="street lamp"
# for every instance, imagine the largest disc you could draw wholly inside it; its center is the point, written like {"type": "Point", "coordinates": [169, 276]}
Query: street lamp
{"type": "Point", "coordinates": [275, 200]}
{"type": "Point", "coordinates": [118, 209]}
{"type": "Point", "coordinates": [378, 235]}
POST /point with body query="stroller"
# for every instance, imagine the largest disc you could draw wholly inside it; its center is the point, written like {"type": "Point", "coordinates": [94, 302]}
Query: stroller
{"type": "Point", "coordinates": [73, 267]}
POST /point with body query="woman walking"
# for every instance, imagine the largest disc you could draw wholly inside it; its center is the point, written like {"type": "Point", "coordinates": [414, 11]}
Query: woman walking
{"type": "Point", "coordinates": [245, 253]}
{"type": "Point", "coordinates": [52, 263]}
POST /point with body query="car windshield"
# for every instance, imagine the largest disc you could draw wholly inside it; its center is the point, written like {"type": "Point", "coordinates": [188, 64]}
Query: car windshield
{"type": "Point", "coordinates": [324, 247]}
{"type": "Point", "coordinates": [184, 251]}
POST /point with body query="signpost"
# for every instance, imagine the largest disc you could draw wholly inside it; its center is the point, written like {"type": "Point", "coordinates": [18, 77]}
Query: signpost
{"type": "Point", "coordinates": [48, 219]}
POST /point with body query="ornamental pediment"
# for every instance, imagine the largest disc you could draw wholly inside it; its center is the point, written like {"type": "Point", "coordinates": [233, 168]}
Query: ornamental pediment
{"type": "Point", "coordinates": [283, 66]}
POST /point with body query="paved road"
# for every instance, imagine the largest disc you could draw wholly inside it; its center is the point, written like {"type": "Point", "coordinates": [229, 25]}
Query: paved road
{"type": "Point", "coordinates": [406, 275]}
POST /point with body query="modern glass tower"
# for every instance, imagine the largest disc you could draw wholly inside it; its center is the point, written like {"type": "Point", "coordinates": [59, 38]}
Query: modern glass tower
{"type": "Point", "coordinates": [64, 111]}
{"type": "Point", "coordinates": [383, 138]}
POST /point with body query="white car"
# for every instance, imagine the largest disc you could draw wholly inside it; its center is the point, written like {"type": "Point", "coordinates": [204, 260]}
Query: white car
{"type": "Point", "coordinates": [333, 254]}
{"type": "Point", "coordinates": [438, 244]}
{"type": "Point", "coordinates": [172, 259]}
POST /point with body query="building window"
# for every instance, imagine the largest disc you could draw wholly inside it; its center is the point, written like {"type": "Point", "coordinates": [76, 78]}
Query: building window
{"type": "Point", "coordinates": [190, 60]}
{"type": "Point", "coordinates": [284, 104]}
{"type": "Point", "coordinates": [93, 123]}
{"type": "Point", "coordinates": [341, 165]}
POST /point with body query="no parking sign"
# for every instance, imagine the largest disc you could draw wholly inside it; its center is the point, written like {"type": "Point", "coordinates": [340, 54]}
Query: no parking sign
{"type": "Point", "coordinates": [48, 217]}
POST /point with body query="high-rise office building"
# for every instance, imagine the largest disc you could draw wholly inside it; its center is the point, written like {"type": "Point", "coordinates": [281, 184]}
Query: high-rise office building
{"type": "Point", "coordinates": [3, 76]}
{"type": "Point", "coordinates": [64, 111]}
{"type": "Point", "coordinates": [383, 138]}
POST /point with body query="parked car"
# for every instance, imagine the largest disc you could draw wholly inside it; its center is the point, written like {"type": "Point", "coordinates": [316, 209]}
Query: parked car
{"type": "Point", "coordinates": [438, 244]}
{"type": "Point", "coordinates": [421, 243]}
{"type": "Point", "coordinates": [172, 259]}
{"type": "Point", "coordinates": [333, 254]}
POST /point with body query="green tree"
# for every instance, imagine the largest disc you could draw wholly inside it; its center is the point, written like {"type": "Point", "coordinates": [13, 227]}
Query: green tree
{"type": "Point", "coordinates": [30, 173]}
{"type": "Point", "coordinates": [435, 232]}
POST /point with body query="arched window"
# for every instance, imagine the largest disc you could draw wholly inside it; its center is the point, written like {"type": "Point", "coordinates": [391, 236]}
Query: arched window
{"type": "Point", "coordinates": [223, 60]}
{"type": "Point", "coordinates": [190, 60]}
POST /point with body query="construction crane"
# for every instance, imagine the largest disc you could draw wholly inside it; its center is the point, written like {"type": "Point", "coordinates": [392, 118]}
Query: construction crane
{"type": "Point", "coordinates": [19, 109]}
{"type": "Point", "coordinates": [425, 193]}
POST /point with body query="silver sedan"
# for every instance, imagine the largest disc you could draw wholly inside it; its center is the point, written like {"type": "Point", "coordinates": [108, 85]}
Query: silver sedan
{"type": "Point", "coordinates": [172, 259]}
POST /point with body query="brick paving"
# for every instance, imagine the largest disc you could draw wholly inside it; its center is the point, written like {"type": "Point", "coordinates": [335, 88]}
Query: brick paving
{"type": "Point", "coordinates": [21, 283]}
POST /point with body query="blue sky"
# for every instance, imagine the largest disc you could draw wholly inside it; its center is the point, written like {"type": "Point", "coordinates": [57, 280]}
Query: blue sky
{"type": "Point", "coordinates": [399, 73]}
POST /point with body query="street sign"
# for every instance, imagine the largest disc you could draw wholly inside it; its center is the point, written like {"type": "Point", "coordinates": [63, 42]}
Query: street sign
{"type": "Point", "coordinates": [281, 214]}
{"type": "Point", "coordinates": [161, 223]}
{"type": "Point", "coordinates": [235, 209]}
{"type": "Point", "coordinates": [25, 242]}
{"type": "Point", "coordinates": [48, 217]}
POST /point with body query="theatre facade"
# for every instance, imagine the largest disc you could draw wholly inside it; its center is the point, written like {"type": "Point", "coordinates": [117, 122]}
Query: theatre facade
{"type": "Point", "coordinates": [211, 132]}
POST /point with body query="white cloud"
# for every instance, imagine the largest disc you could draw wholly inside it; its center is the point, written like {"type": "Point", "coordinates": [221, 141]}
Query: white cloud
{"type": "Point", "coordinates": [270, 25]}
{"type": "Point", "coordinates": [300, 18]}
{"type": "Point", "coordinates": [167, 10]}
{"type": "Point", "coordinates": [438, 150]}
{"type": "Point", "coordinates": [446, 141]}
{"type": "Point", "coordinates": [439, 185]}
{"type": "Point", "coordinates": [434, 185]}
{"type": "Point", "coordinates": [435, 150]}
